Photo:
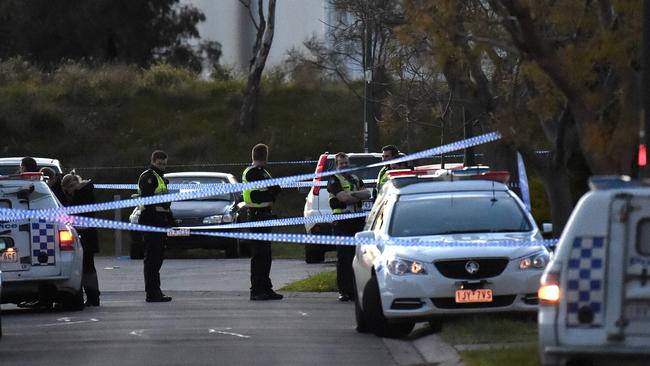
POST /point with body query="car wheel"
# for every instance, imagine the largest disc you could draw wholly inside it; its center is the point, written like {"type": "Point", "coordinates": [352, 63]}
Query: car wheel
{"type": "Point", "coordinates": [72, 301]}
{"type": "Point", "coordinates": [360, 317]}
{"type": "Point", "coordinates": [314, 254]}
{"type": "Point", "coordinates": [375, 318]}
{"type": "Point", "coordinates": [435, 325]}
{"type": "Point", "coordinates": [136, 249]}
{"type": "Point", "coordinates": [232, 250]}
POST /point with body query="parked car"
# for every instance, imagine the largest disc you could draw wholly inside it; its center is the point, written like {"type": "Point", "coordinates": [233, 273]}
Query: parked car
{"type": "Point", "coordinates": [397, 286]}
{"type": "Point", "coordinates": [41, 260]}
{"type": "Point", "coordinates": [317, 201]}
{"type": "Point", "coordinates": [214, 210]}
{"type": "Point", "coordinates": [9, 166]}
{"type": "Point", "coordinates": [595, 295]}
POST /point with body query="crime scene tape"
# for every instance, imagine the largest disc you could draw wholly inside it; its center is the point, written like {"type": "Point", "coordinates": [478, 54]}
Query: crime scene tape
{"type": "Point", "coordinates": [231, 188]}
{"type": "Point", "coordinates": [306, 239]}
{"type": "Point", "coordinates": [204, 185]}
{"type": "Point", "coordinates": [290, 221]}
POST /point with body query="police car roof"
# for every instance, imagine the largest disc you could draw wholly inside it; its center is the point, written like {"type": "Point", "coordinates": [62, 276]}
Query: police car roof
{"type": "Point", "coordinates": [608, 182]}
{"type": "Point", "coordinates": [425, 184]}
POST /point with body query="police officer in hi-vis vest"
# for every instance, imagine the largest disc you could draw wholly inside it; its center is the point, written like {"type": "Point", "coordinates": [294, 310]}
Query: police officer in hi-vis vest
{"type": "Point", "coordinates": [152, 182]}
{"type": "Point", "coordinates": [259, 202]}
{"type": "Point", "coordinates": [346, 192]}
{"type": "Point", "coordinates": [388, 152]}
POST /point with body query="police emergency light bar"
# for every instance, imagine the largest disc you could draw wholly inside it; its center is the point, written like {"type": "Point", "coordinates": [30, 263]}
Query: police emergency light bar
{"type": "Point", "coordinates": [480, 172]}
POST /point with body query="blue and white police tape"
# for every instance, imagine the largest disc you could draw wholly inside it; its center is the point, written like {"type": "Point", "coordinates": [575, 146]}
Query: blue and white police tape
{"type": "Point", "coordinates": [231, 188]}
{"type": "Point", "coordinates": [306, 239]}
{"type": "Point", "coordinates": [290, 221]}
{"type": "Point", "coordinates": [203, 185]}
{"type": "Point", "coordinates": [6, 214]}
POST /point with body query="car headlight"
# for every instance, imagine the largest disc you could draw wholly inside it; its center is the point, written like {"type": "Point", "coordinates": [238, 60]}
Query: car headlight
{"type": "Point", "coordinates": [535, 261]}
{"type": "Point", "coordinates": [399, 267]}
{"type": "Point", "coordinates": [215, 219]}
{"type": "Point", "coordinates": [227, 218]}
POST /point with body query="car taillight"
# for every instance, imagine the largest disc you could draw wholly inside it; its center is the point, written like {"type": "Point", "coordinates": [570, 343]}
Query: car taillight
{"type": "Point", "coordinates": [549, 291]}
{"type": "Point", "coordinates": [319, 169]}
{"type": "Point", "coordinates": [66, 240]}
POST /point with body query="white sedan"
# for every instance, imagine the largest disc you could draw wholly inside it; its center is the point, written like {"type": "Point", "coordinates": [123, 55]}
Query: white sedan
{"type": "Point", "coordinates": [398, 285]}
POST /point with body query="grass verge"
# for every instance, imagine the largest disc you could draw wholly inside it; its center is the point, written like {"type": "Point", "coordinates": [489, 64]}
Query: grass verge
{"type": "Point", "coordinates": [490, 328]}
{"type": "Point", "coordinates": [516, 356]}
{"type": "Point", "coordinates": [320, 282]}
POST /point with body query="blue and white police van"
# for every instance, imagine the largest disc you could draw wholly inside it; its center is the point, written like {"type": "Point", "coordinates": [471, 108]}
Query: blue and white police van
{"type": "Point", "coordinates": [595, 293]}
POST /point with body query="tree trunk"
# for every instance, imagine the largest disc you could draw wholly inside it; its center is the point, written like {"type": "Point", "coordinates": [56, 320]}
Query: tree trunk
{"type": "Point", "coordinates": [556, 183]}
{"type": "Point", "coordinates": [248, 110]}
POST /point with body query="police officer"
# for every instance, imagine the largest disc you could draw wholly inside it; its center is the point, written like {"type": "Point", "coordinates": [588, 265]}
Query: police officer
{"type": "Point", "coordinates": [152, 182]}
{"type": "Point", "coordinates": [259, 202]}
{"type": "Point", "coordinates": [346, 192]}
{"type": "Point", "coordinates": [388, 152]}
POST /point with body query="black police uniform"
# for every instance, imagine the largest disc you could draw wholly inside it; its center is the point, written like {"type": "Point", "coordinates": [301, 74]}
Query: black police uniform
{"type": "Point", "coordinates": [345, 253]}
{"type": "Point", "coordinates": [158, 214]}
{"type": "Point", "coordinates": [261, 287]}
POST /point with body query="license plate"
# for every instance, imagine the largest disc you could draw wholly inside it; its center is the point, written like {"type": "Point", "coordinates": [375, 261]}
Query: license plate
{"type": "Point", "coordinates": [366, 205]}
{"type": "Point", "coordinates": [480, 295]}
{"type": "Point", "coordinates": [637, 311]}
{"type": "Point", "coordinates": [9, 257]}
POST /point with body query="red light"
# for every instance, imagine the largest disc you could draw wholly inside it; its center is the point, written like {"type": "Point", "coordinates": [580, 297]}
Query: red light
{"type": "Point", "coordinates": [23, 176]}
{"type": "Point", "coordinates": [319, 169]}
{"type": "Point", "coordinates": [497, 175]}
{"type": "Point", "coordinates": [400, 172]}
{"type": "Point", "coordinates": [66, 240]}
{"type": "Point", "coordinates": [643, 157]}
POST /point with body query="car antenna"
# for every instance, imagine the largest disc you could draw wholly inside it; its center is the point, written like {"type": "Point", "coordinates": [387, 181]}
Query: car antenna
{"type": "Point", "coordinates": [494, 195]}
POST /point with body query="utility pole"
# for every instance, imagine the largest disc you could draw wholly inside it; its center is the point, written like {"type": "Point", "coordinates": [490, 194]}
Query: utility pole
{"type": "Point", "coordinates": [368, 113]}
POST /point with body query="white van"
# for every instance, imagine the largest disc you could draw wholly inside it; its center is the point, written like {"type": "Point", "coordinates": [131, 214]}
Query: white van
{"type": "Point", "coordinates": [595, 293]}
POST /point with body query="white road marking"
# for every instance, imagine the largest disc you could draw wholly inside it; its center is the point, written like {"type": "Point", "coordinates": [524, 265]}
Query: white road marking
{"type": "Point", "coordinates": [228, 333]}
{"type": "Point", "coordinates": [303, 313]}
{"type": "Point", "coordinates": [67, 321]}
{"type": "Point", "coordinates": [137, 332]}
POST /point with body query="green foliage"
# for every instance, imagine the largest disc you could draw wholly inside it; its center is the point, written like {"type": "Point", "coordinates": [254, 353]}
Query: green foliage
{"type": "Point", "coordinates": [490, 328]}
{"type": "Point", "coordinates": [510, 356]}
{"type": "Point", "coordinates": [320, 282]}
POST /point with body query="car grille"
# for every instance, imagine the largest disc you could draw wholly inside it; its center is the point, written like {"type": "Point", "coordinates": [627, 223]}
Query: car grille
{"type": "Point", "coordinates": [189, 221]}
{"type": "Point", "coordinates": [488, 267]}
{"type": "Point", "coordinates": [450, 302]}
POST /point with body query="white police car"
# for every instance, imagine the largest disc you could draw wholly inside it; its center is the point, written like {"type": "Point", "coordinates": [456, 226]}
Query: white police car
{"type": "Point", "coordinates": [42, 260]}
{"type": "Point", "coordinates": [397, 285]}
{"type": "Point", "coordinates": [595, 293]}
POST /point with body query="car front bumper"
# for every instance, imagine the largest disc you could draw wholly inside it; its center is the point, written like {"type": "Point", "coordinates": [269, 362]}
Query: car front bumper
{"type": "Point", "coordinates": [428, 295]}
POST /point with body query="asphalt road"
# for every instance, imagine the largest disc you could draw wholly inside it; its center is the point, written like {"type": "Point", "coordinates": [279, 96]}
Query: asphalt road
{"type": "Point", "coordinates": [209, 322]}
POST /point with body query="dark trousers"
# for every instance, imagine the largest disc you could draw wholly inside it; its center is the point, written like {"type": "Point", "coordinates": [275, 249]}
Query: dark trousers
{"type": "Point", "coordinates": [89, 280]}
{"type": "Point", "coordinates": [154, 252]}
{"type": "Point", "coordinates": [345, 254]}
{"type": "Point", "coordinates": [260, 254]}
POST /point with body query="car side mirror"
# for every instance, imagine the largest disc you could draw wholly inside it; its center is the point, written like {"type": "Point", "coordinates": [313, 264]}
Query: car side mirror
{"type": "Point", "coordinates": [547, 228]}
{"type": "Point", "coordinates": [365, 235]}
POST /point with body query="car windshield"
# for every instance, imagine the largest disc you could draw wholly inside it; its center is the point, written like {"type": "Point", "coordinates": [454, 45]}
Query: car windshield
{"type": "Point", "coordinates": [203, 180]}
{"type": "Point", "coordinates": [356, 161]}
{"type": "Point", "coordinates": [457, 213]}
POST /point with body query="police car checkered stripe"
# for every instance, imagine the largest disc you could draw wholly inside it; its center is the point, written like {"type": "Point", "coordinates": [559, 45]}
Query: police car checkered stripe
{"type": "Point", "coordinates": [585, 279]}
{"type": "Point", "coordinates": [42, 235]}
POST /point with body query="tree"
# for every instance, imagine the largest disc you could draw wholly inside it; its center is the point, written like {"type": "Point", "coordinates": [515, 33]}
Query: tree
{"type": "Point", "coordinates": [47, 32]}
{"type": "Point", "coordinates": [557, 75]}
{"type": "Point", "coordinates": [265, 27]}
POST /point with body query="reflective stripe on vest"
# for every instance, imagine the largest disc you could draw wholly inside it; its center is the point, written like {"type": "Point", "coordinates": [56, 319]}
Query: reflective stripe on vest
{"type": "Point", "coordinates": [247, 192]}
{"type": "Point", "coordinates": [161, 188]}
{"type": "Point", "coordinates": [347, 186]}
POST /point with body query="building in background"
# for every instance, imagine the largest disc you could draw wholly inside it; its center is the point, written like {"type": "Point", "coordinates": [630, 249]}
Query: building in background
{"type": "Point", "coordinates": [228, 22]}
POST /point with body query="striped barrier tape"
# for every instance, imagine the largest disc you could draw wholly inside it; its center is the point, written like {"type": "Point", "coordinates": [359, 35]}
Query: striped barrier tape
{"type": "Point", "coordinates": [306, 239]}
{"type": "Point", "coordinates": [290, 221]}
{"type": "Point", "coordinates": [231, 188]}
